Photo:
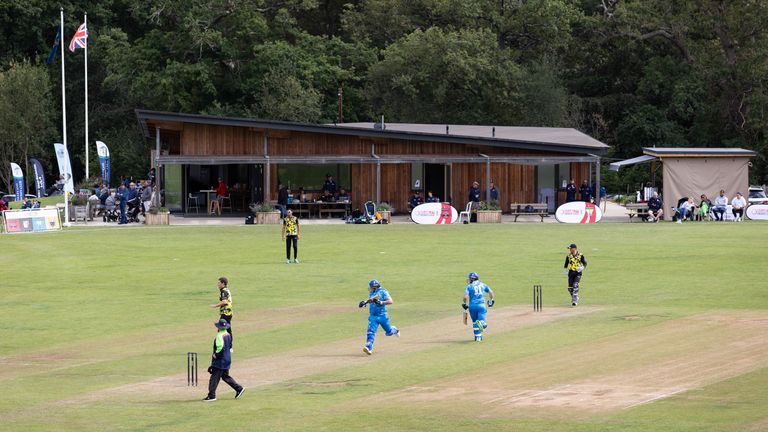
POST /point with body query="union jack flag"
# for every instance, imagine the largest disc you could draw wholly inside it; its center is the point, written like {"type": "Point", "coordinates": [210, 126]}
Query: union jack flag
{"type": "Point", "coordinates": [79, 39]}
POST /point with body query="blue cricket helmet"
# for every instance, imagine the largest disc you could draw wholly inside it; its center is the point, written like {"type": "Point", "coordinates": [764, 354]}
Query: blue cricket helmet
{"type": "Point", "coordinates": [374, 283]}
{"type": "Point", "coordinates": [473, 276]}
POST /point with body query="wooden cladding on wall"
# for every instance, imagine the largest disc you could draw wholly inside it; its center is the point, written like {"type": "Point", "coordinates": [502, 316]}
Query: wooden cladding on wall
{"type": "Point", "coordinates": [516, 183]}
{"type": "Point", "coordinates": [208, 140]}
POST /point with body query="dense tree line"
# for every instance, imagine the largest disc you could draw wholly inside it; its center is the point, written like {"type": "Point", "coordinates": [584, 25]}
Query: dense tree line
{"type": "Point", "coordinates": [632, 73]}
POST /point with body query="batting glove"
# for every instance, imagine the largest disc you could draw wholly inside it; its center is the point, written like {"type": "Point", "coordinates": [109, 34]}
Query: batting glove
{"type": "Point", "coordinates": [362, 304]}
{"type": "Point", "coordinates": [210, 369]}
{"type": "Point", "coordinates": [491, 302]}
{"type": "Point", "coordinates": [465, 306]}
{"type": "Point", "coordinates": [580, 269]}
{"type": "Point", "coordinates": [377, 302]}
{"type": "Point", "coordinates": [565, 271]}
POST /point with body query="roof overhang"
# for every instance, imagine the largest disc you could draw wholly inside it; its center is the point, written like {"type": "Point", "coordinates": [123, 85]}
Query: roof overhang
{"type": "Point", "coordinates": [145, 117]}
{"type": "Point", "coordinates": [379, 159]}
{"type": "Point", "coordinates": [697, 152]}
{"type": "Point", "coordinates": [636, 160]}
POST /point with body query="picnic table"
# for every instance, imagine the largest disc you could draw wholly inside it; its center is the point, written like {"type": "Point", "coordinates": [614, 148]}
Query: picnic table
{"type": "Point", "coordinates": [529, 209]}
{"type": "Point", "coordinates": [637, 209]}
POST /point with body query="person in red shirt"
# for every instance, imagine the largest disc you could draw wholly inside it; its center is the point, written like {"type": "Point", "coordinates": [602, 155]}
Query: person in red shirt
{"type": "Point", "coordinates": [221, 192]}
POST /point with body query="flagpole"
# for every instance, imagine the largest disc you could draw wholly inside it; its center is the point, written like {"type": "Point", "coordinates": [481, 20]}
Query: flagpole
{"type": "Point", "coordinates": [63, 112]}
{"type": "Point", "coordinates": [85, 23]}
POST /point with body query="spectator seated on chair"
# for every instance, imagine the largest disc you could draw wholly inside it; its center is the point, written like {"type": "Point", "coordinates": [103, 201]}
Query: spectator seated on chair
{"type": "Point", "coordinates": [35, 204]}
{"type": "Point", "coordinates": [343, 196]}
{"type": "Point", "coordinates": [3, 205]}
{"type": "Point", "coordinates": [685, 209]}
{"type": "Point", "coordinates": [704, 207]}
{"type": "Point", "coordinates": [27, 204]}
{"type": "Point", "coordinates": [738, 203]}
{"type": "Point", "coordinates": [415, 201]}
{"type": "Point", "coordinates": [721, 201]}
{"type": "Point", "coordinates": [327, 196]}
{"type": "Point", "coordinates": [655, 208]}
{"type": "Point", "coordinates": [431, 198]}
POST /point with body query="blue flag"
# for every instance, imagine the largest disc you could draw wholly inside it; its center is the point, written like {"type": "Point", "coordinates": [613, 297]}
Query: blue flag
{"type": "Point", "coordinates": [18, 181]}
{"type": "Point", "coordinates": [55, 48]}
{"type": "Point", "coordinates": [103, 152]}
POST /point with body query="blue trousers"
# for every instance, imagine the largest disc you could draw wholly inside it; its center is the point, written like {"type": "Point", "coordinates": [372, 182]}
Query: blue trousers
{"type": "Point", "coordinates": [374, 321]}
{"type": "Point", "coordinates": [477, 313]}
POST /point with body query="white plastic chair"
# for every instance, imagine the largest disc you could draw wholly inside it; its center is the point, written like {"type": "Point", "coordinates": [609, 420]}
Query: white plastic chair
{"type": "Point", "coordinates": [467, 212]}
{"type": "Point", "coordinates": [193, 199]}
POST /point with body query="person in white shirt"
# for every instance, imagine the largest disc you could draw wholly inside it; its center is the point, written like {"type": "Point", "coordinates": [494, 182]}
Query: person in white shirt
{"type": "Point", "coordinates": [738, 203]}
{"type": "Point", "coordinates": [686, 210]}
{"type": "Point", "coordinates": [720, 202]}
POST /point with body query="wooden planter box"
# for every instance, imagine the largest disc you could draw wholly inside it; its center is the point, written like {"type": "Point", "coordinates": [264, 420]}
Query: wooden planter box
{"type": "Point", "coordinates": [158, 219]}
{"type": "Point", "coordinates": [489, 216]}
{"type": "Point", "coordinates": [267, 218]}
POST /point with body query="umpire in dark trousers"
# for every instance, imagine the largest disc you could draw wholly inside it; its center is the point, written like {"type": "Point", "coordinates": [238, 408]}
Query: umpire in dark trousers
{"type": "Point", "coordinates": [221, 362]}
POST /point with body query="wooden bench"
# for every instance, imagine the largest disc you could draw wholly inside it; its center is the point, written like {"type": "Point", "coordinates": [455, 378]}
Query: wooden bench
{"type": "Point", "coordinates": [637, 209]}
{"type": "Point", "coordinates": [534, 209]}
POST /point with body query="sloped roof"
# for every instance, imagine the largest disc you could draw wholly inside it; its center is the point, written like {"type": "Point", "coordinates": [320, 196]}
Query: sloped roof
{"type": "Point", "coordinates": [533, 138]}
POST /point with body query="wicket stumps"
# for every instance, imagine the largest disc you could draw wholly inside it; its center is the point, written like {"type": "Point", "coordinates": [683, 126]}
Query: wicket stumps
{"type": "Point", "coordinates": [192, 369]}
{"type": "Point", "coordinates": [537, 298]}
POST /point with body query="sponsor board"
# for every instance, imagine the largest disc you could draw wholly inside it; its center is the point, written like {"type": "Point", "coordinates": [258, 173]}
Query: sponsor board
{"type": "Point", "coordinates": [757, 212]}
{"type": "Point", "coordinates": [578, 212]}
{"type": "Point", "coordinates": [434, 213]}
{"type": "Point", "coordinates": [38, 220]}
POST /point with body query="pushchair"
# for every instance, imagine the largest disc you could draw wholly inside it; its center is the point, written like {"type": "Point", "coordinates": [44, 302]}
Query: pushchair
{"type": "Point", "coordinates": [369, 215]}
{"type": "Point", "coordinates": [111, 213]}
{"type": "Point", "coordinates": [133, 209]}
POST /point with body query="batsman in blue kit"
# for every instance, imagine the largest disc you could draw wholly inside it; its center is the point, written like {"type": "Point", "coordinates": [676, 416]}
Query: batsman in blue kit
{"type": "Point", "coordinates": [474, 302]}
{"type": "Point", "coordinates": [378, 299]}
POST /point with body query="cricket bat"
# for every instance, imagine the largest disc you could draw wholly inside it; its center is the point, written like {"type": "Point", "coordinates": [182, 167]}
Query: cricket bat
{"type": "Point", "coordinates": [465, 317]}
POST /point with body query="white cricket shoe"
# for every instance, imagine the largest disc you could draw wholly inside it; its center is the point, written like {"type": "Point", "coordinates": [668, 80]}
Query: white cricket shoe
{"type": "Point", "coordinates": [367, 350]}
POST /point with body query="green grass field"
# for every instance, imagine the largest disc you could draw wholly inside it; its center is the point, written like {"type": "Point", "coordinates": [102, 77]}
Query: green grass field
{"type": "Point", "coordinates": [670, 334]}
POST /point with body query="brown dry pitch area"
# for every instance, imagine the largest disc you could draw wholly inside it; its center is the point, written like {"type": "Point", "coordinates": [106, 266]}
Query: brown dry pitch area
{"type": "Point", "coordinates": [612, 373]}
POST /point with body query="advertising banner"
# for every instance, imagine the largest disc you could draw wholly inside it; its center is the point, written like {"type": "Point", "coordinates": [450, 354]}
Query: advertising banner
{"type": "Point", "coordinates": [65, 168]}
{"type": "Point", "coordinates": [434, 213]}
{"type": "Point", "coordinates": [18, 181]}
{"type": "Point", "coordinates": [757, 212]}
{"type": "Point", "coordinates": [38, 220]}
{"type": "Point", "coordinates": [103, 152]}
{"type": "Point", "coordinates": [578, 212]}
{"type": "Point", "coordinates": [37, 168]}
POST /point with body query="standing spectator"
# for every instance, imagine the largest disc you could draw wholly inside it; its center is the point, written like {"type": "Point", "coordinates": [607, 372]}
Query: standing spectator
{"type": "Point", "coordinates": [329, 184]}
{"type": "Point", "coordinates": [474, 192]}
{"type": "Point", "coordinates": [121, 198]}
{"type": "Point", "coordinates": [720, 202]}
{"type": "Point", "coordinates": [132, 199]}
{"type": "Point", "coordinates": [416, 200]}
{"type": "Point", "coordinates": [493, 192]}
{"type": "Point", "coordinates": [291, 235]}
{"type": "Point", "coordinates": [575, 263]}
{"type": "Point", "coordinates": [570, 191]}
{"type": "Point", "coordinates": [282, 199]}
{"type": "Point", "coordinates": [586, 191]}
{"type": "Point", "coordinates": [152, 176]}
{"type": "Point", "coordinates": [225, 305]}
{"type": "Point", "coordinates": [3, 205]}
{"type": "Point", "coordinates": [146, 197]}
{"type": "Point", "coordinates": [221, 361]}
{"type": "Point", "coordinates": [737, 207]}
{"type": "Point", "coordinates": [431, 198]}
{"type": "Point", "coordinates": [655, 208]}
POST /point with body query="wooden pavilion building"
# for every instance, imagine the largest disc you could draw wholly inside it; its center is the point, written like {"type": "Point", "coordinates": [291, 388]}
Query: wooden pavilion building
{"type": "Point", "coordinates": [372, 161]}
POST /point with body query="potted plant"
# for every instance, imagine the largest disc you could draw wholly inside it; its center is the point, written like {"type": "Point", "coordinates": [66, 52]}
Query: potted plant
{"type": "Point", "coordinates": [158, 216]}
{"type": "Point", "coordinates": [386, 211]}
{"type": "Point", "coordinates": [489, 212]}
{"type": "Point", "coordinates": [79, 203]}
{"type": "Point", "coordinates": [265, 213]}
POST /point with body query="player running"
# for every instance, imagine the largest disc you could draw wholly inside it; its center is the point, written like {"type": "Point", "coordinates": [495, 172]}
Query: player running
{"type": "Point", "coordinates": [474, 302]}
{"type": "Point", "coordinates": [378, 298]}
{"type": "Point", "coordinates": [575, 263]}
